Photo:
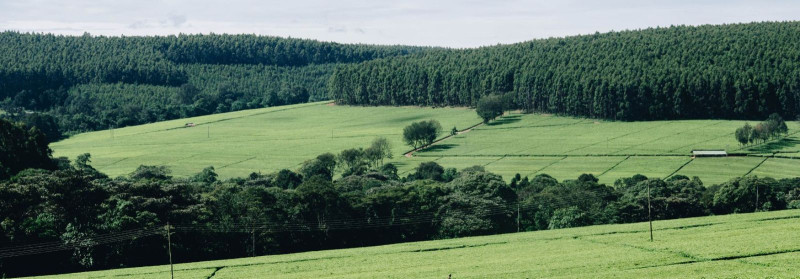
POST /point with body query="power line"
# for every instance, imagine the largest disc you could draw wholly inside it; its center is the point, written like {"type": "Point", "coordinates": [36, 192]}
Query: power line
{"type": "Point", "coordinates": [366, 222]}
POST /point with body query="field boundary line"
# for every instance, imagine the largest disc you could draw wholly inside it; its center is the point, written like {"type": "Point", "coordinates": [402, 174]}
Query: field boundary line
{"type": "Point", "coordinates": [617, 137]}
{"type": "Point", "coordinates": [237, 162]}
{"type": "Point", "coordinates": [703, 141]}
{"type": "Point", "coordinates": [550, 131]}
{"type": "Point", "coordinates": [553, 155]}
{"type": "Point", "coordinates": [495, 161]}
{"type": "Point", "coordinates": [540, 126]}
{"type": "Point", "coordinates": [667, 136]}
{"type": "Point", "coordinates": [548, 165]}
{"type": "Point", "coordinates": [306, 105]}
{"type": "Point", "coordinates": [679, 168]}
{"type": "Point", "coordinates": [754, 168]}
{"type": "Point", "coordinates": [215, 272]}
{"type": "Point", "coordinates": [614, 166]}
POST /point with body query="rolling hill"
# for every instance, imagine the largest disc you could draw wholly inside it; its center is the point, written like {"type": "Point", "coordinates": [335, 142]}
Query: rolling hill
{"type": "Point", "coordinates": [270, 139]}
{"type": "Point", "coordinates": [732, 71]}
{"type": "Point", "coordinates": [730, 246]}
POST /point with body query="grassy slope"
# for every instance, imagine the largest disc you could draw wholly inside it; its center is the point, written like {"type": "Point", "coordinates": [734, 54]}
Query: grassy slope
{"type": "Point", "coordinates": [253, 140]}
{"type": "Point", "coordinates": [282, 137]}
{"type": "Point", "coordinates": [741, 245]}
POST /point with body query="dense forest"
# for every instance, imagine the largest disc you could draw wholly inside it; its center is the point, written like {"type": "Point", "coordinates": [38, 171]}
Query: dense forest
{"type": "Point", "coordinates": [72, 217]}
{"type": "Point", "coordinates": [95, 82]}
{"type": "Point", "coordinates": [736, 71]}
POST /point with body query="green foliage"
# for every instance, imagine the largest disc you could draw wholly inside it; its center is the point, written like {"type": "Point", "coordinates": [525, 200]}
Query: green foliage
{"type": "Point", "coordinates": [207, 175]}
{"type": "Point", "coordinates": [773, 127]}
{"type": "Point", "coordinates": [324, 165]}
{"type": "Point", "coordinates": [489, 107]}
{"type": "Point", "coordinates": [749, 194]}
{"type": "Point", "coordinates": [560, 253]}
{"type": "Point", "coordinates": [22, 148]}
{"type": "Point", "coordinates": [378, 151]}
{"type": "Point", "coordinates": [678, 72]}
{"type": "Point", "coordinates": [219, 218]}
{"type": "Point", "coordinates": [428, 170]}
{"type": "Point", "coordinates": [421, 133]}
{"type": "Point", "coordinates": [743, 134]}
{"type": "Point", "coordinates": [151, 172]}
{"type": "Point", "coordinates": [97, 82]}
{"type": "Point", "coordinates": [567, 218]}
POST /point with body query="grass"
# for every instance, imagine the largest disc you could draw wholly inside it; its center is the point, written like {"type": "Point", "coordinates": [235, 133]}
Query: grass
{"type": "Point", "coordinates": [239, 143]}
{"type": "Point", "coordinates": [270, 139]}
{"type": "Point", "coordinates": [739, 245]}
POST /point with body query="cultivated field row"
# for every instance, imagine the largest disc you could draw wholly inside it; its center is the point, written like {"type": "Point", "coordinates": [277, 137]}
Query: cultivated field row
{"type": "Point", "coordinates": [270, 139]}
{"type": "Point", "coordinates": [609, 168]}
{"type": "Point", "coordinates": [736, 245]}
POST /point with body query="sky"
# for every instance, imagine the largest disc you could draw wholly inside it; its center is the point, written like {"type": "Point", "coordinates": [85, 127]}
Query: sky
{"type": "Point", "coordinates": [446, 23]}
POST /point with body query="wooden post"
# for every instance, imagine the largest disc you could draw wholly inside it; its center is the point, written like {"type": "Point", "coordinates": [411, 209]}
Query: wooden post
{"type": "Point", "coordinates": [649, 218]}
{"type": "Point", "coordinates": [169, 251]}
{"type": "Point", "coordinates": [517, 216]}
{"type": "Point", "coordinates": [756, 207]}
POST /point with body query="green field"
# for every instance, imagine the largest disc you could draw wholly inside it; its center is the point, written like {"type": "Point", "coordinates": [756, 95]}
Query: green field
{"type": "Point", "coordinates": [266, 140]}
{"type": "Point", "coordinates": [754, 245]}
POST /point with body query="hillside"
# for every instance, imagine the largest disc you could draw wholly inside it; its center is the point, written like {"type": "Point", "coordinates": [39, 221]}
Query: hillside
{"type": "Point", "coordinates": [736, 71]}
{"type": "Point", "coordinates": [271, 139]}
{"type": "Point", "coordinates": [739, 245]}
{"type": "Point", "coordinates": [96, 82]}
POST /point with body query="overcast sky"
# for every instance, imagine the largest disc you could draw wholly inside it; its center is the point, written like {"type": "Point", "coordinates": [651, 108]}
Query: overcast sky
{"type": "Point", "coordinates": [426, 22]}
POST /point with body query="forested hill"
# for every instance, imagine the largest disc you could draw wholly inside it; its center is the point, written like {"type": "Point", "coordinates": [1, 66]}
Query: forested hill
{"type": "Point", "coordinates": [88, 82]}
{"type": "Point", "coordinates": [740, 71]}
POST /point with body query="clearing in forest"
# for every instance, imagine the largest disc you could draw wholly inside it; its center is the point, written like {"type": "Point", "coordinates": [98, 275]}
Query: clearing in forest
{"type": "Point", "coordinates": [270, 139]}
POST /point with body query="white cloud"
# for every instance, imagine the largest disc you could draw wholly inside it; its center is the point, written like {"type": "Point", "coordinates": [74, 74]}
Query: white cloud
{"type": "Point", "coordinates": [418, 22]}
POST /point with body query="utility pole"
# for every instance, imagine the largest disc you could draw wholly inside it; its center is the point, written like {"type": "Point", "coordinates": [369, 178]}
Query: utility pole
{"type": "Point", "coordinates": [517, 216]}
{"type": "Point", "coordinates": [208, 131]}
{"type": "Point", "coordinates": [253, 240]}
{"type": "Point", "coordinates": [169, 251]}
{"type": "Point", "coordinates": [649, 218]}
{"type": "Point", "coordinates": [756, 205]}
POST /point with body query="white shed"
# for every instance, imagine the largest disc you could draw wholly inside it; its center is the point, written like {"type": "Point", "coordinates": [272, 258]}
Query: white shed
{"type": "Point", "coordinates": [709, 153]}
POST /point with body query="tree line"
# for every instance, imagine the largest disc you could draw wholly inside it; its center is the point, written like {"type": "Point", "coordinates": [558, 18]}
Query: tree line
{"type": "Point", "coordinates": [732, 71]}
{"type": "Point", "coordinates": [349, 199]}
{"type": "Point", "coordinates": [773, 127]}
{"type": "Point", "coordinates": [85, 82]}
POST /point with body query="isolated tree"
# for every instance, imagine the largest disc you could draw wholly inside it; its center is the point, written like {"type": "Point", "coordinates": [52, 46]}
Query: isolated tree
{"type": "Point", "coordinates": [421, 133]}
{"type": "Point", "coordinates": [379, 150]}
{"type": "Point", "coordinates": [489, 107]}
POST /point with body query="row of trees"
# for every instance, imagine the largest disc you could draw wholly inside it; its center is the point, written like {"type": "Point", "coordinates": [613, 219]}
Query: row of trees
{"type": "Point", "coordinates": [736, 71]}
{"type": "Point", "coordinates": [292, 211]}
{"type": "Point", "coordinates": [95, 82]}
{"type": "Point", "coordinates": [773, 127]}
